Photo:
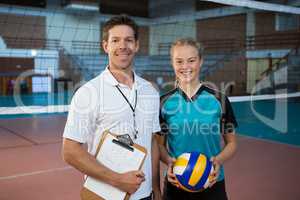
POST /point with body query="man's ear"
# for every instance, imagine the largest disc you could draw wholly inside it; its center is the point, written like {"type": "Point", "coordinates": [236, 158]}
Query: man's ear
{"type": "Point", "coordinates": [137, 46]}
{"type": "Point", "coordinates": [104, 45]}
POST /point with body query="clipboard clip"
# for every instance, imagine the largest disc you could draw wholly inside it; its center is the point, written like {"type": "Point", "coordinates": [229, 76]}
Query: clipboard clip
{"type": "Point", "coordinates": [124, 141]}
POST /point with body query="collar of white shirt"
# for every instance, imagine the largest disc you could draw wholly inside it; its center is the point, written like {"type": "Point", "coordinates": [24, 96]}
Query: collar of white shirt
{"type": "Point", "coordinates": [109, 78]}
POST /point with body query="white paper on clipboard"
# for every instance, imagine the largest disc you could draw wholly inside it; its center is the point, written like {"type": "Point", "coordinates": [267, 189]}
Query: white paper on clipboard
{"type": "Point", "coordinates": [118, 159]}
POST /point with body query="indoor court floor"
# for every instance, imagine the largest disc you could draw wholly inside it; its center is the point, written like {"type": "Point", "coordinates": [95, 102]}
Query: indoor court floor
{"type": "Point", "coordinates": [32, 167]}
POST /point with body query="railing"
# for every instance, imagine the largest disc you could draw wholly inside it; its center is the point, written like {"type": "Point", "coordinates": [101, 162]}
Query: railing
{"type": "Point", "coordinates": [220, 63]}
{"type": "Point", "coordinates": [164, 48]}
{"type": "Point", "coordinates": [50, 44]}
{"type": "Point", "coordinates": [75, 63]}
{"type": "Point", "coordinates": [229, 44]}
{"type": "Point", "coordinates": [86, 47]}
{"type": "Point", "coordinates": [18, 42]}
{"type": "Point", "coordinates": [209, 45]}
{"type": "Point", "coordinates": [282, 61]}
{"type": "Point", "coordinates": [278, 40]}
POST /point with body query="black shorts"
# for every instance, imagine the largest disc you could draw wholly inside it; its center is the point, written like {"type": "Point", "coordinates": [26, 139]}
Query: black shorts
{"type": "Point", "coordinates": [216, 192]}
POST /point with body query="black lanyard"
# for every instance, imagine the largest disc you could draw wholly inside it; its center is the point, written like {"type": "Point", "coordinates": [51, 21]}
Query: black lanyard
{"type": "Point", "coordinates": [132, 109]}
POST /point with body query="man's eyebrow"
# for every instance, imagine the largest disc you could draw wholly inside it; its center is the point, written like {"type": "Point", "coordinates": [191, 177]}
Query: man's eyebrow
{"type": "Point", "coordinates": [122, 36]}
{"type": "Point", "coordinates": [130, 37]}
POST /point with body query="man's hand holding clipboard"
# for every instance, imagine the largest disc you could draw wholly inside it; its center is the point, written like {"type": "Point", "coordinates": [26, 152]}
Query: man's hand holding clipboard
{"type": "Point", "coordinates": [122, 156]}
{"type": "Point", "coordinates": [131, 181]}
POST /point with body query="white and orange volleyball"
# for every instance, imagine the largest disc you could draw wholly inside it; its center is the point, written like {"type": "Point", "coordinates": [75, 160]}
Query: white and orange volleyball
{"type": "Point", "coordinates": [193, 171]}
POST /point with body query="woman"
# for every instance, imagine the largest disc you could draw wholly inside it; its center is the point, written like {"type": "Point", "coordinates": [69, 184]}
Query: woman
{"type": "Point", "coordinates": [192, 116]}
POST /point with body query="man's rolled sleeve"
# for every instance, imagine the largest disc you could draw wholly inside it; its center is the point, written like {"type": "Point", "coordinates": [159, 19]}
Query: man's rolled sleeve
{"type": "Point", "coordinates": [81, 118]}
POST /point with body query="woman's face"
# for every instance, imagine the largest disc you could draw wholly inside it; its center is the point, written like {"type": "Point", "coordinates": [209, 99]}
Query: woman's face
{"type": "Point", "coordinates": [186, 63]}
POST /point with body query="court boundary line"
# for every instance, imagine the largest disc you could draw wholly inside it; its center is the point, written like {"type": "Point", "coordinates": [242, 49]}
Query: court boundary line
{"type": "Point", "coordinates": [2, 178]}
{"type": "Point", "coordinates": [29, 145]}
{"type": "Point", "coordinates": [263, 97]}
{"type": "Point", "coordinates": [34, 109]}
{"type": "Point", "coordinates": [16, 146]}
{"type": "Point", "coordinates": [19, 135]}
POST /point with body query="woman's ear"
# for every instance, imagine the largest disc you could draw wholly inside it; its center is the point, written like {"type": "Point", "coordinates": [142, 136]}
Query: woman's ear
{"type": "Point", "coordinates": [201, 60]}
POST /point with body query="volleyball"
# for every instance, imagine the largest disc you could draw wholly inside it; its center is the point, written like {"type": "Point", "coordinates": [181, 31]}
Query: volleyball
{"type": "Point", "coordinates": [193, 171]}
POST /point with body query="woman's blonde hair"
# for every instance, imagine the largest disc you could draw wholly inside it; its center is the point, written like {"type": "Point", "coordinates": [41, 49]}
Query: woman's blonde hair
{"type": "Point", "coordinates": [187, 42]}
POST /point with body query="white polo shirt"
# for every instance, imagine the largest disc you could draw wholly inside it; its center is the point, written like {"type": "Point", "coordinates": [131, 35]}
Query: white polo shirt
{"type": "Point", "coordinates": [98, 106]}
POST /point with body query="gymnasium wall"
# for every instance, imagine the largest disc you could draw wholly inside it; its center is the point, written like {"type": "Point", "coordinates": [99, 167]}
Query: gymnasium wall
{"type": "Point", "coordinates": [167, 8]}
{"type": "Point", "coordinates": [222, 33]}
{"type": "Point", "coordinates": [63, 26]}
{"type": "Point", "coordinates": [167, 33]}
{"type": "Point", "coordinates": [68, 27]}
{"type": "Point", "coordinates": [11, 68]}
{"type": "Point", "coordinates": [23, 26]}
{"type": "Point", "coordinates": [83, 1]}
{"type": "Point", "coordinates": [16, 65]}
{"type": "Point", "coordinates": [43, 62]}
{"type": "Point", "coordinates": [234, 71]}
{"type": "Point", "coordinates": [132, 7]}
{"type": "Point", "coordinates": [265, 25]}
{"type": "Point", "coordinates": [144, 40]}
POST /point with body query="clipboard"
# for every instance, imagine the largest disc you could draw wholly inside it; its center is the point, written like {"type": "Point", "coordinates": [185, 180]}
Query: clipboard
{"type": "Point", "coordinates": [120, 154]}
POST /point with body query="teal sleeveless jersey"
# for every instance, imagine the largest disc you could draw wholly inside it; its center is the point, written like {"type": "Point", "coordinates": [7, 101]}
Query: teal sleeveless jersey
{"type": "Point", "coordinates": [195, 124]}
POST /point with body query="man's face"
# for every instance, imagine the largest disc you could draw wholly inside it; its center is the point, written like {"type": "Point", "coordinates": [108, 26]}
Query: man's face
{"type": "Point", "coordinates": [121, 47]}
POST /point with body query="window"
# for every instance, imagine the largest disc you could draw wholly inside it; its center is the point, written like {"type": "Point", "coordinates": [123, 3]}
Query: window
{"type": "Point", "coordinates": [287, 22]}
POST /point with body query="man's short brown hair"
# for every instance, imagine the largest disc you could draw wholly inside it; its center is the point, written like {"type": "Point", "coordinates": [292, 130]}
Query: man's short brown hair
{"type": "Point", "coordinates": [119, 20]}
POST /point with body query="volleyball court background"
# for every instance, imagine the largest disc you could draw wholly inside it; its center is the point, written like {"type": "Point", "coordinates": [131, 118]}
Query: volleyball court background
{"type": "Point", "coordinates": [50, 48]}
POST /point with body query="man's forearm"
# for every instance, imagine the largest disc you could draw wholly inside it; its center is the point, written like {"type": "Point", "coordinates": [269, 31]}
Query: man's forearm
{"type": "Point", "coordinates": [75, 155]}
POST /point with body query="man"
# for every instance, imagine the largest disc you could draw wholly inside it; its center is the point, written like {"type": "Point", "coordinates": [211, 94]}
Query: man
{"type": "Point", "coordinates": [119, 101]}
